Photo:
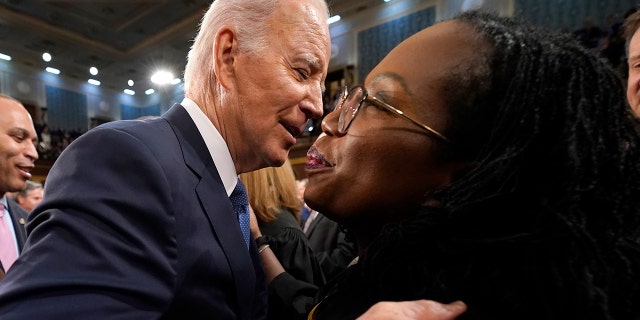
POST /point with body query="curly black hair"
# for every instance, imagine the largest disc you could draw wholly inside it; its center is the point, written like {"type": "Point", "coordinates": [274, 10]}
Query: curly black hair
{"type": "Point", "coordinates": [546, 222]}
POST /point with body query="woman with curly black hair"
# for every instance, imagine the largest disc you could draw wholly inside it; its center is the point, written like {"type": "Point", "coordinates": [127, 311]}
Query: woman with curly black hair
{"type": "Point", "coordinates": [488, 161]}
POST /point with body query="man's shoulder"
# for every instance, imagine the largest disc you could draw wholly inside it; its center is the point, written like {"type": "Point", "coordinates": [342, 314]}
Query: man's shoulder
{"type": "Point", "coordinates": [150, 131]}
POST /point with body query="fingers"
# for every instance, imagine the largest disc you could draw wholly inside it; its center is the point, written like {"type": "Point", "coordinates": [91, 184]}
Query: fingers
{"type": "Point", "coordinates": [414, 310]}
{"type": "Point", "coordinates": [435, 310]}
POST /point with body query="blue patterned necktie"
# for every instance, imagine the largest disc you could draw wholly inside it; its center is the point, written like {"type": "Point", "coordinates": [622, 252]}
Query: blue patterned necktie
{"type": "Point", "coordinates": [240, 204]}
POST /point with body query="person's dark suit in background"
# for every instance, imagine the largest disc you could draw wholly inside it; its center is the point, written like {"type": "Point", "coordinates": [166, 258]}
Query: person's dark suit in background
{"type": "Point", "coordinates": [18, 140]}
{"type": "Point", "coordinates": [332, 250]}
{"type": "Point", "coordinates": [137, 222]}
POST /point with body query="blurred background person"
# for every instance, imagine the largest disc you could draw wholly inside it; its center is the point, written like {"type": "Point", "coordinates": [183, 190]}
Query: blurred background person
{"type": "Point", "coordinates": [273, 196]}
{"type": "Point", "coordinates": [333, 250]}
{"type": "Point", "coordinates": [29, 197]}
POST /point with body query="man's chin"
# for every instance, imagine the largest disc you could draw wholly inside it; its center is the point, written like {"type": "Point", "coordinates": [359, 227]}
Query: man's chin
{"type": "Point", "coordinates": [19, 185]}
{"type": "Point", "coordinates": [277, 157]}
{"type": "Point", "coordinates": [276, 162]}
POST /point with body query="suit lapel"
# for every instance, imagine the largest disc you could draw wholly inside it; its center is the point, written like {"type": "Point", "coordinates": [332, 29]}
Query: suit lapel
{"type": "Point", "coordinates": [313, 224]}
{"type": "Point", "coordinates": [19, 219]}
{"type": "Point", "coordinates": [215, 203]}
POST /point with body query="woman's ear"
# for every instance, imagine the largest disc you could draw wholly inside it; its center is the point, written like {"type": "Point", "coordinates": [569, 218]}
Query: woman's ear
{"type": "Point", "coordinates": [450, 173]}
{"type": "Point", "coordinates": [225, 48]}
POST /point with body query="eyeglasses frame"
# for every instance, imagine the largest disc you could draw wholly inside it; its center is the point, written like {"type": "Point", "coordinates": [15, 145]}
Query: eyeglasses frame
{"type": "Point", "coordinates": [342, 128]}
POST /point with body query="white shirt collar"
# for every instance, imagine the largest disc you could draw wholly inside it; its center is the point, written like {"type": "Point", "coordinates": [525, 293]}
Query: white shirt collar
{"type": "Point", "coordinates": [215, 144]}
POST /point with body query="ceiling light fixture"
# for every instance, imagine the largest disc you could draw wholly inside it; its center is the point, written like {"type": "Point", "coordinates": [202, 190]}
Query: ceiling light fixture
{"type": "Point", "coordinates": [130, 83]}
{"type": "Point", "coordinates": [5, 57]}
{"type": "Point", "coordinates": [149, 91]}
{"type": "Point", "coordinates": [334, 19]}
{"type": "Point", "coordinates": [94, 82]}
{"type": "Point", "coordinates": [162, 77]}
{"type": "Point", "coordinates": [93, 71]}
{"type": "Point", "coordinates": [175, 81]}
{"type": "Point", "coordinates": [52, 70]}
{"type": "Point", "coordinates": [129, 92]}
{"type": "Point", "coordinates": [46, 56]}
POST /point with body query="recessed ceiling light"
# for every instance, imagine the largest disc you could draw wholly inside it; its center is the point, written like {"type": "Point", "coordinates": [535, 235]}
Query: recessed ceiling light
{"type": "Point", "coordinates": [130, 83]}
{"type": "Point", "coordinates": [162, 77]}
{"type": "Point", "coordinates": [52, 70]}
{"type": "Point", "coordinates": [334, 19]}
{"type": "Point", "coordinates": [46, 56]}
{"type": "Point", "coordinates": [93, 71]}
{"type": "Point", "coordinates": [149, 91]}
{"type": "Point", "coordinates": [5, 57]}
{"type": "Point", "coordinates": [94, 82]}
{"type": "Point", "coordinates": [129, 92]}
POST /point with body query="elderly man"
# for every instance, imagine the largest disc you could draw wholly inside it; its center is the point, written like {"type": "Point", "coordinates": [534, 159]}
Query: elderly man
{"type": "Point", "coordinates": [138, 222]}
{"type": "Point", "coordinates": [18, 153]}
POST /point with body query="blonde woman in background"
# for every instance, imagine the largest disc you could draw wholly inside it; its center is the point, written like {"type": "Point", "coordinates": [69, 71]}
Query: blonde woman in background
{"type": "Point", "coordinates": [273, 197]}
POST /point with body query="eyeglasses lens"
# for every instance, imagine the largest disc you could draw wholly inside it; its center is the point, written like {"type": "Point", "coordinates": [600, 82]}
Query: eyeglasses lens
{"type": "Point", "coordinates": [349, 108]}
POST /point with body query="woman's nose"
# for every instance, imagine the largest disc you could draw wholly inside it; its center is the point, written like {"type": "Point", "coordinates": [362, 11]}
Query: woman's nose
{"type": "Point", "coordinates": [329, 124]}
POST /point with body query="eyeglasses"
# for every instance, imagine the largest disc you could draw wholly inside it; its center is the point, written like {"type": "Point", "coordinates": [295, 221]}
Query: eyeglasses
{"type": "Point", "coordinates": [351, 101]}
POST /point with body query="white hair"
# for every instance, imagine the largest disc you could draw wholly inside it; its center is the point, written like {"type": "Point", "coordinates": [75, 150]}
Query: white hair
{"type": "Point", "coordinates": [248, 17]}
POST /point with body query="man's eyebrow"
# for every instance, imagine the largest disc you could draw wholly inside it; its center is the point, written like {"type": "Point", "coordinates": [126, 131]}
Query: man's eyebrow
{"type": "Point", "coordinates": [18, 130]}
{"type": "Point", "coordinates": [312, 61]}
{"type": "Point", "coordinates": [23, 132]}
{"type": "Point", "coordinates": [634, 57]}
{"type": "Point", "coordinates": [316, 66]}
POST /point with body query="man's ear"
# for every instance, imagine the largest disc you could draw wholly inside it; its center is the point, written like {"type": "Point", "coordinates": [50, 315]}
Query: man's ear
{"type": "Point", "coordinates": [225, 48]}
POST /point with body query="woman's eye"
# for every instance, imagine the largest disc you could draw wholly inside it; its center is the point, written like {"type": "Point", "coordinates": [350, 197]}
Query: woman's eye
{"type": "Point", "coordinates": [377, 106]}
{"type": "Point", "coordinates": [377, 103]}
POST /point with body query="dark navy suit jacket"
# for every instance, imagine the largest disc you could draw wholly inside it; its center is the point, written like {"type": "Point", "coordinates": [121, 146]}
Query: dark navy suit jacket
{"type": "Point", "coordinates": [136, 224]}
{"type": "Point", "coordinates": [18, 219]}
